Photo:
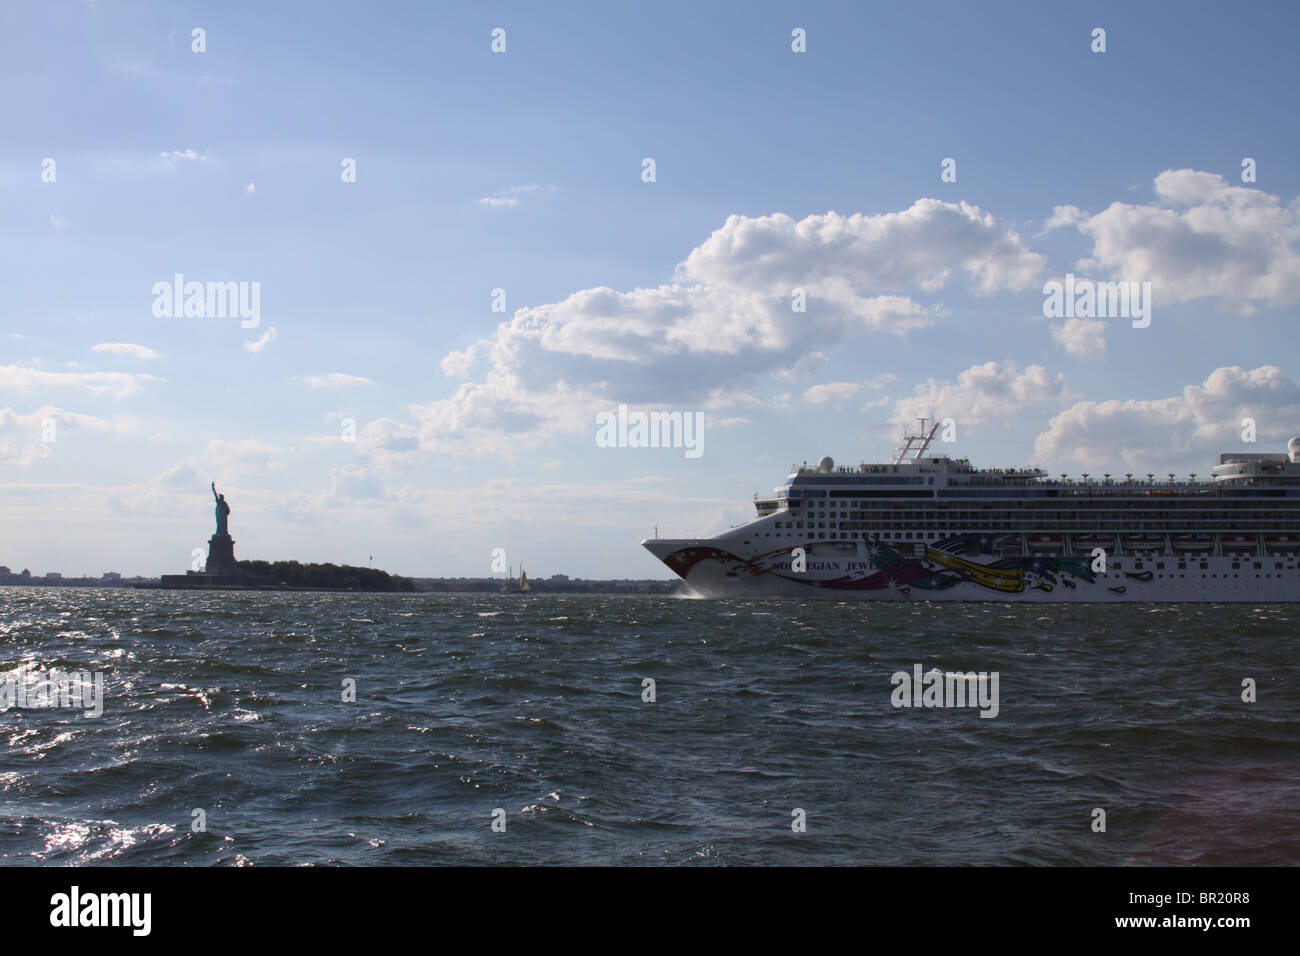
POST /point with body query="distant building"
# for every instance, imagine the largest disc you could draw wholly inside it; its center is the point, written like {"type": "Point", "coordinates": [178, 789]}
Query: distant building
{"type": "Point", "coordinates": [112, 576]}
{"type": "Point", "coordinates": [559, 578]}
{"type": "Point", "coordinates": [53, 576]}
{"type": "Point", "coordinates": [4, 572]}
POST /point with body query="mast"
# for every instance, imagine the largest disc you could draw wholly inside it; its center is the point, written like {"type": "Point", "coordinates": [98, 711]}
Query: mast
{"type": "Point", "coordinates": [910, 441]}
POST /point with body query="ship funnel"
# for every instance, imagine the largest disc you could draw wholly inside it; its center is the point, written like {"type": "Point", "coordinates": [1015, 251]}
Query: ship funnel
{"type": "Point", "coordinates": [1293, 446]}
{"type": "Point", "coordinates": [827, 464]}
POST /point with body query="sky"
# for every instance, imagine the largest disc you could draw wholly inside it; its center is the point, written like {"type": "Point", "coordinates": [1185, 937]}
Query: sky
{"type": "Point", "coordinates": [461, 260]}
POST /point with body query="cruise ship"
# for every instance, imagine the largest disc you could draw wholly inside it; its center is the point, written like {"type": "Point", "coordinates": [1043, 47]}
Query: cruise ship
{"type": "Point", "coordinates": [932, 528]}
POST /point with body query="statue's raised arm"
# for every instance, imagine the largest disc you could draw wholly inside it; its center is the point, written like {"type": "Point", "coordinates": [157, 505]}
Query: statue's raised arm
{"type": "Point", "coordinates": [214, 490]}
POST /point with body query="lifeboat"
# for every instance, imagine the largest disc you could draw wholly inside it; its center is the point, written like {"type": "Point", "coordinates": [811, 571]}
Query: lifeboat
{"type": "Point", "coordinates": [1281, 543]}
{"type": "Point", "coordinates": [1143, 542]}
{"type": "Point", "coordinates": [1193, 542]}
{"type": "Point", "coordinates": [1043, 542]}
{"type": "Point", "coordinates": [1086, 542]}
{"type": "Point", "coordinates": [1238, 544]}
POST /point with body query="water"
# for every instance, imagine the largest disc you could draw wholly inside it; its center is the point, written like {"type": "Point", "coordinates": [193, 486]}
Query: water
{"type": "Point", "coordinates": [231, 703]}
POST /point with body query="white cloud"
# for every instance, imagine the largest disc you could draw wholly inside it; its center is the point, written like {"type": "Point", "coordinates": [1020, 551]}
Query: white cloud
{"type": "Point", "coordinates": [182, 475]}
{"type": "Point", "coordinates": [126, 348]}
{"type": "Point", "coordinates": [458, 364]}
{"type": "Point", "coordinates": [16, 426]}
{"type": "Point", "coordinates": [388, 444]}
{"type": "Point", "coordinates": [333, 380]}
{"type": "Point", "coordinates": [1203, 239]}
{"type": "Point", "coordinates": [805, 368]}
{"type": "Point", "coordinates": [1183, 431]}
{"type": "Point", "coordinates": [247, 457]}
{"type": "Point", "coordinates": [922, 247]}
{"type": "Point", "coordinates": [250, 189]}
{"type": "Point", "coordinates": [186, 155]}
{"type": "Point", "coordinates": [835, 393]}
{"type": "Point", "coordinates": [262, 341]}
{"type": "Point", "coordinates": [504, 198]}
{"type": "Point", "coordinates": [1064, 216]}
{"type": "Point", "coordinates": [117, 384]}
{"type": "Point", "coordinates": [991, 391]}
{"type": "Point", "coordinates": [1085, 338]}
{"type": "Point", "coordinates": [726, 320]}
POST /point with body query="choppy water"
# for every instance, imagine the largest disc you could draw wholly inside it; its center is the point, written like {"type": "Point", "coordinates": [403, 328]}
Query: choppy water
{"type": "Point", "coordinates": [231, 703]}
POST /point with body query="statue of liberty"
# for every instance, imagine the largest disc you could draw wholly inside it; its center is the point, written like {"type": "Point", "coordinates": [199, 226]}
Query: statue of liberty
{"type": "Point", "coordinates": [223, 512]}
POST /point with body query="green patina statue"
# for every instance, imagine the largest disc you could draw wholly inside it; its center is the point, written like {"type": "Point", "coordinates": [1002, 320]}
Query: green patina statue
{"type": "Point", "coordinates": [223, 512]}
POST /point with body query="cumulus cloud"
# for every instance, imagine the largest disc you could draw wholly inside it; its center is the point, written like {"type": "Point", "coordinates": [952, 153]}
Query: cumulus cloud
{"type": "Point", "coordinates": [726, 319]}
{"type": "Point", "coordinates": [921, 247]}
{"type": "Point", "coordinates": [1202, 239]}
{"type": "Point", "coordinates": [1184, 430]}
{"type": "Point", "coordinates": [126, 348]}
{"type": "Point", "coordinates": [388, 444]}
{"type": "Point", "coordinates": [1085, 338]}
{"type": "Point", "coordinates": [1064, 216]}
{"type": "Point", "coordinates": [458, 364]}
{"type": "Point", "coordinates": [991, 391]}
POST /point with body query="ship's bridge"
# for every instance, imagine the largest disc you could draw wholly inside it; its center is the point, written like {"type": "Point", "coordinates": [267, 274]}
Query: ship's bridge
{"type": "Point", "coordinates": [1245, 468]}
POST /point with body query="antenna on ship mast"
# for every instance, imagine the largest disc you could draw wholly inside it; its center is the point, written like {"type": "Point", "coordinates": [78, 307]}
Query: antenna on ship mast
{"type": "Point", "coordinates": [906, 448]}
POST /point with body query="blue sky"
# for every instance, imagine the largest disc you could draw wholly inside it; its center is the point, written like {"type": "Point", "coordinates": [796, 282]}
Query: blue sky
{"type": "Point", "coordinates": [522, 171]}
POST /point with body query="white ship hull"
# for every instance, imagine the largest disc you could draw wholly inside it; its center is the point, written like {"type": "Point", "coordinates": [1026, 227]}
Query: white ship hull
{"type": "Point", "coordinates": [717, 568]}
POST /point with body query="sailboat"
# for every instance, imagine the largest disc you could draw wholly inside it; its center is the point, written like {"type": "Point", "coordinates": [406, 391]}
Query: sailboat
{"type": "Point", "coordinates": [511, 586]}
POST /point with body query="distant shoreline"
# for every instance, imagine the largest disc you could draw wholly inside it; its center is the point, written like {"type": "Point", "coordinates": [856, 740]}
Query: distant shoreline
{"type": "Point", "coordinates": [423, 586]}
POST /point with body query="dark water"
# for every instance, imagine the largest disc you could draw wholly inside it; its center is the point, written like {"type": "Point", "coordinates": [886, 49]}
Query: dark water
{"type": "Point", "coordinates": [232, 704]}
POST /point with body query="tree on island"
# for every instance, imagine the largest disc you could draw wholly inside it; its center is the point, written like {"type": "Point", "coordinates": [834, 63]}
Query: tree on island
{"type": "Point", "coordinates": [343, 577]}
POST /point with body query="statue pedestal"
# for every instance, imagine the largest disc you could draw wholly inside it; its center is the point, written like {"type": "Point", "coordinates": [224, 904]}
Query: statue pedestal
{"type": "Point", "coordinates": [221, 555]}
